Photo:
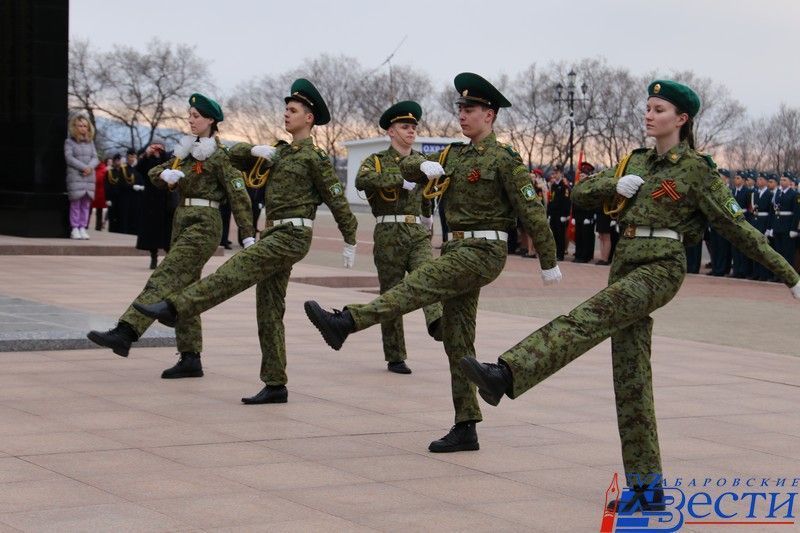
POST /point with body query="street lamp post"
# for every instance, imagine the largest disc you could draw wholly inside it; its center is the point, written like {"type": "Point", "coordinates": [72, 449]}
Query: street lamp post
{"type": "Point", "coordinates": [570, 100]}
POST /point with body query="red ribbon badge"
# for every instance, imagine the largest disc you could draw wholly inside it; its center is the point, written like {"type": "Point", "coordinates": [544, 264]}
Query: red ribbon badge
{"type": "Point", "coordinates": [474, 175]}
{"type": "Point", "coordinates": [198, 167]}
{"type": "Point", "coordinates": [667, 188]}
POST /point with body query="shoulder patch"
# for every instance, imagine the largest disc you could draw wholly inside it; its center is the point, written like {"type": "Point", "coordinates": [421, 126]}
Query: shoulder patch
{"type": "Point", "coordinates": [336, 189]}
{"type": "Point", "coordinates": [520, 169]}
{"type": "Point", "coordinates": [716, 184]}
{"type": "Point", "coordinates": [238, 184]}
{"type": "Point", "coordinates": [528, 192]}
{"type": "Point", "coordinates": [709, 161]}
{"type": "Point", "coordinates": [733, 207]}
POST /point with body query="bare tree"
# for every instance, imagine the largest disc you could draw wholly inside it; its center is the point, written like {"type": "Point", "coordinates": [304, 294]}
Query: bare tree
{"type": "Point", "coordinates": [85, 84]}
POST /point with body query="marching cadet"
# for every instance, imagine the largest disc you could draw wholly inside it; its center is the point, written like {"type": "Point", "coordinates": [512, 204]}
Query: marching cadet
{"type": "Point", "coordinates": [558, 208]}
{"type": "Point", "coordinates": [403, 220]}
{"type": "Point", "coordinates": [762, 219]}
{"type": "Point", "coordinates": [663, 199]}
{"type": "Point", "coordinates": [202, 173]}
{"type": "Point", "coordinates": [487, 185]}
{"type": "Point", "coordinates": [742, 265]}
{"type": "Point", "coordinates": [785, 218]}
{"type": "Point", "coordinates": [584, 224]}
{"type": "Point", "coordinates": [297, 178]}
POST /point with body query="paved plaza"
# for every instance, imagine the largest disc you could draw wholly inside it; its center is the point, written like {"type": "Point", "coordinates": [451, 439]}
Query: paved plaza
{"type": "Point", "coordinates": [90, 441]}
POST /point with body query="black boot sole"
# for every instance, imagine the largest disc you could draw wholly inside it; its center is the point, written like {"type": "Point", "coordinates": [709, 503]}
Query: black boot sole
{"type": "Point", "coordinates": [122, 351]}
{"type": "Point", "coordinates": [474, 372]}
{"type": "Point", "coordinates": [272, 399]}
{"type": "Point", "coordinates": [466, 447]}
{"type": "Point", "coordinates": [169, 322]}
{"type": "Point", "coordinates": [183, 375]}
{"type": "Point", "coordinates": [316, 315]}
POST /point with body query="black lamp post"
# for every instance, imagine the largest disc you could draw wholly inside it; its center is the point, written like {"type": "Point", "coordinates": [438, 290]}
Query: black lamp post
{"type": "Point", "coordinates": [570, 100]}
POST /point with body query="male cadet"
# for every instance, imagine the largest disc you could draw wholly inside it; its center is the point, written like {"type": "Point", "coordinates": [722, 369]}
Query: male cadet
{"type": "Point", "coordinates": [719, 246]}
{"type": "Point", "coordinates": [558, 208]}
{"type": "Point", "coordinates": [403, 219]}
{"type": "Point", "coordinates": [762, 217]}
{"type": "Point", "coordinates": [488, 187]}
{"type": "Point", "coordinates": [742, 265]}
{"type": "Point", "coordinates": [300, 178]}
{"type": "Point", "coordinates": [584, 224]}
{"type": "Point", "coordinates": [785, 219]}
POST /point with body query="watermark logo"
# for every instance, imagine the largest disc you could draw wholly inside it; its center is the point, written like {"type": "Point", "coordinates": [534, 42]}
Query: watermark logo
{"type": "Point", "coordinates": [657, 504]}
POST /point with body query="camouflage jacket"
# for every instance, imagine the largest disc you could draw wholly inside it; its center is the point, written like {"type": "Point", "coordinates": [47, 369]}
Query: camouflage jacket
{"type": "Point", "coordinates": [212, 179]}
{"type": "Point", "coordinates": [301, 177]}
{"type": "Point", "coordinates": [384, 188]}
{"type": "Point", "coordinates": [682, 191]}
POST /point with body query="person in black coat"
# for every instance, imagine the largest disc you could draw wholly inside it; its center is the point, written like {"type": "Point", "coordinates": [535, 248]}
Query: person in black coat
{"type": "Point", "coordinates": [785, 219]}
{"type": "Point", "coordinates": [158, 205]}
{"type": "Point", "coordinates": [558, 209]}
{"type": "Point", "coordinates": [719, 246]}
{"type": "Point", "coordinates": [762, 215]}
{"type": "Point", "coordinates": [742, 265]}
{"type": "Point", "coordinates": [584, 225]}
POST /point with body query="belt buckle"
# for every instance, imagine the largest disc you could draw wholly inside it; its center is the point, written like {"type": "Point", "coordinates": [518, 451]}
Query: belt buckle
{"type": "Point", "coordinates": [411, 219]}
{"type": "Point", "coordinates": [630, 231]}
{"type": "Point", "coordinates": [458, 235]}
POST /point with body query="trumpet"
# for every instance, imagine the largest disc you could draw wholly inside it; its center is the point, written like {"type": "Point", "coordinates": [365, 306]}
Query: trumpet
{"type": "Point", "coordinates": [434, 188]}
{"type": "Point", "coordinates": [256, 178]}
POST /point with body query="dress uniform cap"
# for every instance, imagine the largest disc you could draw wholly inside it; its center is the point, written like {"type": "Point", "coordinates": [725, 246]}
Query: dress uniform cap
{"type": "Point", "coordinates": [725, 172]}
{"type": "Point", "coordinates": [406, 111]}
{"type": "Point", "coordinates": [304, 91]}
{"type": "Point", "coordinates": [587, 167]}
{"type": "Point", "coordinates": [206, 106]}
{"type": "Point", "coordinates": [683, 97]}
{"type": "Point", "coordinates": [473, 89]}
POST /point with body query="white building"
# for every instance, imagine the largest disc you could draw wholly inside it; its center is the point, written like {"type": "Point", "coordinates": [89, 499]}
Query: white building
{"type": "Point", "coordinates": [359, 149]}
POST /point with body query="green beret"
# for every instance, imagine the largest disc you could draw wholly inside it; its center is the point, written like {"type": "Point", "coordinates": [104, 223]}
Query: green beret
{"type": "Point", "coordinates": [303, 91]}
{"type": "Point", "coordinates": [206, 106]}
{"type": "Point", "coordinates": [475, 90]}
{"type": "Point", "coordinates": [685, 99]}
{"type": "Point", "coordinates": [406, 111]}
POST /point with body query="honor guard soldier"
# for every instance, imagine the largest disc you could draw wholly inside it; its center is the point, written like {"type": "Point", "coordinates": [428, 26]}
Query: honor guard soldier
{"type": "Point", "coordinates": [719, 246]}
{"type": "Point", "coordinates": [403, 220]}
{"type": "Point", "coordinates": [762, 219]}
{"type": "Point", "coordinates": [485, 188]}
{"type": "Point", "coordinates": [663, 197]}
{"type": "Point", "coordinates": [742, 265]}
{"type": "Point", "coordinates": [297, 178]}
{"type": "Point", "coordinates": [558, 209]}
{"type": "Point", "coordinates": [584, 224]}
{"type": "Point", "coordinates": [785, 219]}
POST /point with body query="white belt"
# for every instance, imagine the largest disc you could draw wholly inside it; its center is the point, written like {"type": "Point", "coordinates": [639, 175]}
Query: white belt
{"type": "Point", "coordinates": [760, 214]}
{"type": "Point", "coordinates": [786, 213]}
{"type": "Point", "coordinates": [200, 202]}
{"type": "Point", "coordinates": [646, 231]}
{"type": "Point", "coordinates": [304, 222]}
{"type": "Point", "coordinates": [490, 235]}
{"type": "Point", "coordinates": [404, 219]}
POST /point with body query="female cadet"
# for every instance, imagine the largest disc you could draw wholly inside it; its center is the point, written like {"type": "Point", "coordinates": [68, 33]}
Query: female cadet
{"type": "Point", "coordinates": [664, 200]}
{"type": "Point", "coordinates": [201, 172]}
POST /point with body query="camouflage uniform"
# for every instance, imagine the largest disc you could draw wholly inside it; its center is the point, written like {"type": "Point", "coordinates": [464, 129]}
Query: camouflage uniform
{"type": "Point", "coordinates": [399, 247]}
{"type": "Point", "coordinates": [489, 187]}
{"type": "Point", "coordinates": [646, 274]}
{"type": "Point", "coordinates": [301, 177]}
{"type": "Point", "coordinates": [196, 232]}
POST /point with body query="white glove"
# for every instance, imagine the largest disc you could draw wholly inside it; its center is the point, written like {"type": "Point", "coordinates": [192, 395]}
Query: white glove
{"type": "Point", "coordinates": [612, 223]}
{"type": "Point", "coordinates": [796, 291]}
{"type": "Point", "coordinates": [263, 150]}
{"type": "Point", "coordinates": [628, 185]}
{"type": "Point", "coordinates": [431, 169]}
{"type": "Point", "coordinates": [551, 276]}
{"type": "Point", "coordinates": [564, 219]}
{"type": "Point", "coordinates": [349, 255]}
{"type": "Point", "coordinates": [768, 233]}
{"type": "Point", "coordinates": [248, 242]}
{"type": "Point", "coordinates": [409, 185]}
{"type": "Point", "coordinates": [138, 188]}
{"type": "Point", "coordinates": [427, 222]}
{"type": "Point", "coordinates": [572, 222]}
{"type": "Point", "coordinates": [108, 203]}
{"type": "Point", "coordinates": [171, 176]}
{"type": "Point", "coordinates": [793, 234]}
{"type": "Point", "coordinates": [587, 221]}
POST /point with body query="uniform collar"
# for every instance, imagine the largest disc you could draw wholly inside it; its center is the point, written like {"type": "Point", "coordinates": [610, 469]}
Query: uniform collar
{"type": "Point", "coordinates": [486, 142]}
{"type": "Point", "coordinates": [308, 141]}
{"type": "Point", "coordinates": [394, 154]}
{"type": "Point", "coordinates": [673, 155]}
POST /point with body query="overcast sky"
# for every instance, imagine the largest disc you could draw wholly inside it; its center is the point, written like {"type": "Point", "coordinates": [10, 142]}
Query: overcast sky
{"type": "Point", "coordinates": [750, 46]}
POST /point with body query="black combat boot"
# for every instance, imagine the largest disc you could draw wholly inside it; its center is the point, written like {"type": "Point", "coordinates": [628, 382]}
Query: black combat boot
{"type": "Point", "coordinates": [639, 499]}
{"type": "Point", "coordinates": [153, 259]}
{"type": "Point", "coordinates": [162, 311]}
{"type": "Point", "coordinates": [398, 367]}
{"type": "Point", "coordinates": [493, 380]}
{"type": "Point", "coordinates": [435, 329]}
{"type": "Point", "coordinates": [335, 327]}
{"type": "Point", "coordinates": [269, 394]}
{"type": "Point", "coordinates": [119, 338]}
{"type": "Point", "coordinates": [188, 366]}
{"type": "Point", "coordinates": [462, 437]}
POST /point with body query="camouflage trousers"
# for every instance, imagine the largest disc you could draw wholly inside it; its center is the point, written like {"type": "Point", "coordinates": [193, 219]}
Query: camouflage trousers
{"type": "Point", "coordinates": [196, 232]}
{"type": "Point", "coordinates": [266, 264]}
{"type": "Point", "coordinates": [400, 248]}
{"type": "Point", "coordinates": [645, 275]}
{"type": "Point", "coordinates": [454, 279]}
